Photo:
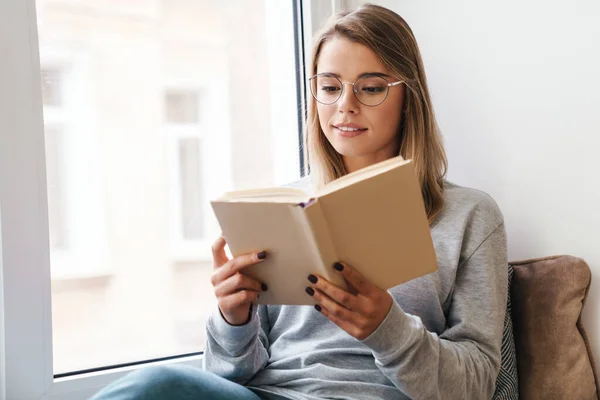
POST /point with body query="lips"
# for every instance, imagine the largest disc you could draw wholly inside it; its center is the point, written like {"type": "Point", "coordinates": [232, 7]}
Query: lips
{"type": "Point", "coordinates": [348, 126]}
{"type": "Point", "coordinates": [349, 129]}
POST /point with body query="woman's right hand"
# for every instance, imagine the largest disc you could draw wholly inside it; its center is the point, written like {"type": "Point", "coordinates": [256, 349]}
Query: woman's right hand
{"type": "Point", "coordinates": [235, 291]}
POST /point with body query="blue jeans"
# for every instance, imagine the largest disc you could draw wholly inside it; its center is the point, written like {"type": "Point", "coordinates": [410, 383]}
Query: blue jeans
{"type": "Point", "coordinates": [174, 382]}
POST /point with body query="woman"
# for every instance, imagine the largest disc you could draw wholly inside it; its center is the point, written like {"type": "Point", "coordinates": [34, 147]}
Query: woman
{"type": "Point", "coordinates": [436, 337]}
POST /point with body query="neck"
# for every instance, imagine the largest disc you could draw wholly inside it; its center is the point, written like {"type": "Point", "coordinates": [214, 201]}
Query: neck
{"type": "Point", "coordinates": [354, 163]}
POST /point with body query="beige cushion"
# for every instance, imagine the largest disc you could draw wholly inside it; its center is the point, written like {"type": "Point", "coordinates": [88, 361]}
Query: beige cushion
{"type": "Point", "coordinates": [554, 358]}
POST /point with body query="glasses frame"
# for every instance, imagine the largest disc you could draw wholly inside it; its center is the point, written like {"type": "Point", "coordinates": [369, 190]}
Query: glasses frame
{"type": "Point", "coordinates": [342, 83]}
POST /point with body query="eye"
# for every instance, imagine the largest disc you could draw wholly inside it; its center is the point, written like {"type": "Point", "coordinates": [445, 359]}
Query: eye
{"type": "Point", "coordinates": [373, 89]}
{"type": "Point", "coordinates": [330, 89]}
{"type": "Point", "coordinates": [372, 85]}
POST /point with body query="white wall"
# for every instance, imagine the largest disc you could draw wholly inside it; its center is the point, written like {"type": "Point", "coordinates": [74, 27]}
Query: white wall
{"type": "Point", "coordinates": [516, 88]}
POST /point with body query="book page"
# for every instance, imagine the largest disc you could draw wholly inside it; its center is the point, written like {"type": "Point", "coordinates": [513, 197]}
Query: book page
{"type": "Point", "coordinates": [274, 194]}
{"type": "Point", "coordinates": [362, 174]}
{"type": "Point", "coordinates": [379, 226]}
{"type": "Point", "coordinates": [284, 232]}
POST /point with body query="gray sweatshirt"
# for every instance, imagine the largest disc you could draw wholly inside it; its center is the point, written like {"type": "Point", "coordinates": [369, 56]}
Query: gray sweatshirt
{"type": "Point", "coordinates": [440, 340]}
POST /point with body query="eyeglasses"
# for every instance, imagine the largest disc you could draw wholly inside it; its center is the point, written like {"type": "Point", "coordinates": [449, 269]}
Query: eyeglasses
{"type": "Point", "coordinates": [370, 90]}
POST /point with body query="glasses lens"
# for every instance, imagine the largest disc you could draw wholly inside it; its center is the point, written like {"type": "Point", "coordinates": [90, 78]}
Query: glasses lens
{"type": "Point", "coordinates": [371, 90]}
{"type": "Point", "coordinates": [326, 89]}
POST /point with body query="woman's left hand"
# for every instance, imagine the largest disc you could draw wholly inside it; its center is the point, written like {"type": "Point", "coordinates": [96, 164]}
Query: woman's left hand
{"type": "Point", "coordinates": [359, 313]}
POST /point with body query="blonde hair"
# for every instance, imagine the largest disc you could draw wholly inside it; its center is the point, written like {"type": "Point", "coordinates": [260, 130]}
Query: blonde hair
{"type": "Point", "coordinates": [390, 37]}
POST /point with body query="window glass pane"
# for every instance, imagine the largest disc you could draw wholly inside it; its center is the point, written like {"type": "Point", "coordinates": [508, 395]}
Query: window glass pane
{"type": "Point", "coordinates": [55, 171]}
{"type": "Point", "coordinates": [51, 81]}
{"type": "Point", "coordinates": [164, 107]}
{"type": "Point", "coordinates": [192, 218]}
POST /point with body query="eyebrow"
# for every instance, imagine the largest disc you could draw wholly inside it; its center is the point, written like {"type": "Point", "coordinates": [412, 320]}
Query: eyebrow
{"type": "Point", "coordinates": [380, 74]}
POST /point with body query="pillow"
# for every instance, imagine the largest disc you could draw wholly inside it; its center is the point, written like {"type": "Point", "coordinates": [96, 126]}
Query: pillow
{"type": "Point", "coordinates": [507, 382]}
{"type": "Point", "coordinates": [554, 358]}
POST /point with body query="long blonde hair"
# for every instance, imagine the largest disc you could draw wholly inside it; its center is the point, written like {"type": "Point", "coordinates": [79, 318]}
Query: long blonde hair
{"type": "Point", "coordinates": [390, 37]}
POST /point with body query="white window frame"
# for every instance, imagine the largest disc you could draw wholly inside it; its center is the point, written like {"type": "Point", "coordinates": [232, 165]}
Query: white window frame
{"type": "Point", "coordinates": [26, 370]}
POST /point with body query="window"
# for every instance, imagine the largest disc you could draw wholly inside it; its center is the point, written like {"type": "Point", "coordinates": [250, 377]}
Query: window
{"type": "Point", "coordinates": [77, 215]}
{"type": "Point", "coordinates": [185, 129]}
{"type": "Point", "coordinates": [152, 111]}
{"type": "Point", "coordinates": [182, 107]}
{"type": "Point", "coordinates": [192, 218]}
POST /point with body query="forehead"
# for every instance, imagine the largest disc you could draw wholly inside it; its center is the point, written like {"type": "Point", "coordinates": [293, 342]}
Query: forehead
{"type": "Point", "coordinates": [348, 59]}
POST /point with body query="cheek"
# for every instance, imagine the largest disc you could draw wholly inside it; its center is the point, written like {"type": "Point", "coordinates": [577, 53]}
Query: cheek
{"type": "Point", "coordinates": [325, 113]}
{"type": "Point", "coordinates": [385, 120]}
{"type": "Point", "coordinates": [389, 116]}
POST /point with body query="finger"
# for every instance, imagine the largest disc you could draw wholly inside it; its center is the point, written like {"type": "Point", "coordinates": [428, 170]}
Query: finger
{"type": "Point", "coordinates": [238, 282]}
{"type": "Point", "coordinates": [235, 265]}
{"type": "Point", "coordinates": [238, 299]}
{"type": "Point", "coordinates": [334, 292]}
{"type": "Point", "coordinates": [333, 307]}
{"type": "Point", "coordinates": [218, 252]}
{"type": "Point", "coordinates": [350, 287]}
{"type": "Point", "coordinates": [356, 279]}
{"type": "Point", "coordinates": [350, 327]}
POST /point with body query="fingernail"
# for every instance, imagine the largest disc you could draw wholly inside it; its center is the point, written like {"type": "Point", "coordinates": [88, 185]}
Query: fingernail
{"type": "Point", "coordinates": [264, 287]}
{"type": "Point", "coordinates": [338, 266]}
{"type": "Point", "coordinates": [262, 255]}
{"type": "Point", "coordinates": [312, 278]}
{"type": "Point", "coordinates": [310, 291]}
{"type": "Point", "coordinates": [318, 307]}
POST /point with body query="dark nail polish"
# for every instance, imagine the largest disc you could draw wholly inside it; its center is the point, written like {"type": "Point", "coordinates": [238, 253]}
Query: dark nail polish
{"type": "Point", "coordinates": [312, 278]}
{"type": "Point", "coordinates": [264, 287]}
{"type": "Point", "coordinates": [318, 307]}
{"type": "Point", "coordinates": [262, 255]}
{"type": "Point", "coordinates": [310, 291]}
{"type": "Point", "coordinates": [338, 266]}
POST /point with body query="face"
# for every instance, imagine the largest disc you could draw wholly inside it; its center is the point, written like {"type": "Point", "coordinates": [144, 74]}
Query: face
{"type": "Point", "coordinates": [363, 135]}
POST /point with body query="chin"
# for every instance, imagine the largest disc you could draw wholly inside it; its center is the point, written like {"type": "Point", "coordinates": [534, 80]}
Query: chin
{"type": "Point", "coordinates": [349, 150]}
{"type": "Point", "coordinates": [348, 147]}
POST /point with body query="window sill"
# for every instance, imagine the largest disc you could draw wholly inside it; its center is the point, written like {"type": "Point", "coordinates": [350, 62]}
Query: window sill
{"type": "Point", "coordinates": [85, 385]}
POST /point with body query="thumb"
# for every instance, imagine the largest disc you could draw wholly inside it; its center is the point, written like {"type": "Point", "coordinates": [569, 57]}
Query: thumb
{"type": "Point", "coordinates": [218, 252]}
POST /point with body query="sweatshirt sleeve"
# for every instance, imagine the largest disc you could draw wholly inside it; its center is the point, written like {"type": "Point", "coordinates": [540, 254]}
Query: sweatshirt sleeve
{"type": "Point", "coordinates": [463, 362]}
{"type": "Point", "coordinates": [233, 352]}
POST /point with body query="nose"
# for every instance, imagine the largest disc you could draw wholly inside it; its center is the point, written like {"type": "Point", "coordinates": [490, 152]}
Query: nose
{"type": "Point", "coordinates": [348, 103]}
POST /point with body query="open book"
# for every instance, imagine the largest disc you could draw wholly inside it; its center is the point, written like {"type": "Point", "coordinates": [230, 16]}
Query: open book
{"type": "Point", "coordinates": [373, 219]}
